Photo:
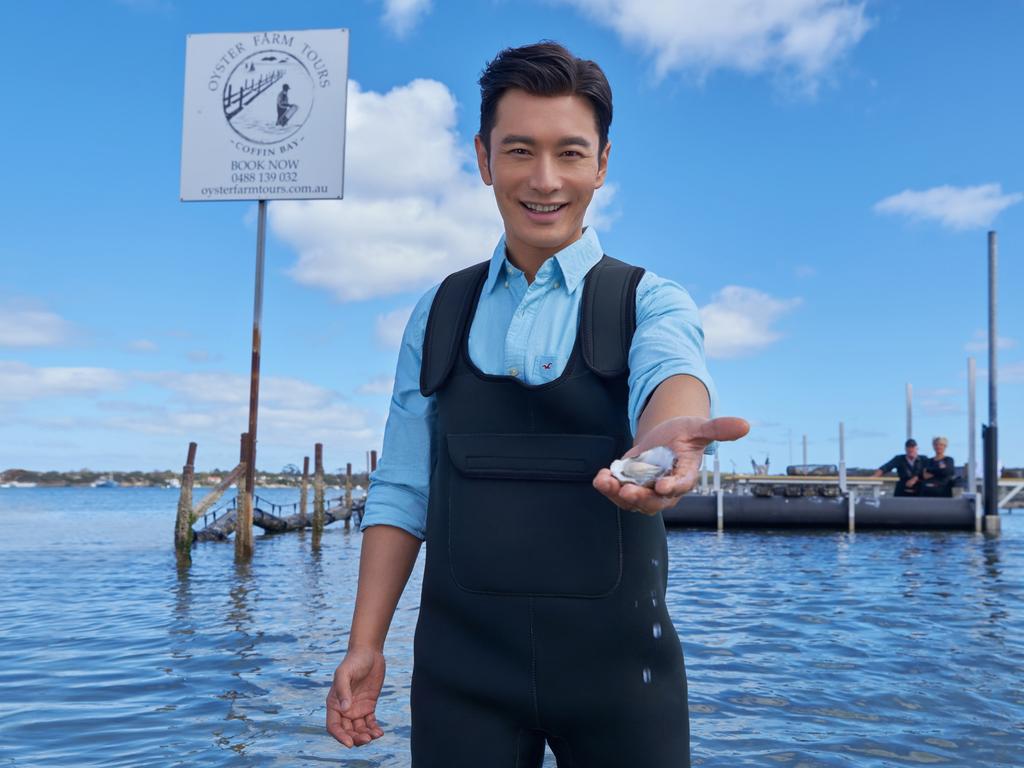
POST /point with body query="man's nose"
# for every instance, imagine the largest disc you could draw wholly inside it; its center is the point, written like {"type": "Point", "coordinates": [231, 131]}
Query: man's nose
{"type": "Point", "coordinates": [544, 178]}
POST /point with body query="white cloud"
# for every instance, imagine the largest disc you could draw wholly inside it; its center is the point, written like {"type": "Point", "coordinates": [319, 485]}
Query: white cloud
{"type": "Point", "coordinates": [980, 342]}
{"type": "Point", "coordinates": [20, 381]}
{"type": "Point", "coordinates": [229, 389]}
{"type": "Point", "coordinates": [414, 209]}
{"type": "Point", "coordinates": [389, 327]}
{"type": "Point", "coordinates": [143, 345]}
{"type": "Point", "coordinates": [953, 207]}
{"type": "Point", "coordinates": [802, 38]}
{"type": "Point", "coordinates": [22, 326]}
{"type": "Point", "coordinates": [400, 16]}
{"type": "Point", "coordinates": [739, 321]}
{"type": "Point", "coordinates": [378, 385]}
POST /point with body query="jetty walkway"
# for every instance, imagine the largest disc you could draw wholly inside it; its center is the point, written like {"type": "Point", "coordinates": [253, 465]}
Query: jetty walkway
{"type": "Point", "coordinates": [218, 524]}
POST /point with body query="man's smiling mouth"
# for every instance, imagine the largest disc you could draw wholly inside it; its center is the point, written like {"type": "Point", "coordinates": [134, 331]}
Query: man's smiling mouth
{"type": "Point", "coordinates": [539, 208]}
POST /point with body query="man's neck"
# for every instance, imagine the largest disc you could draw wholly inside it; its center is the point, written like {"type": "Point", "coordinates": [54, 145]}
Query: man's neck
{"type": "Point", "coordinates": [530, 259]}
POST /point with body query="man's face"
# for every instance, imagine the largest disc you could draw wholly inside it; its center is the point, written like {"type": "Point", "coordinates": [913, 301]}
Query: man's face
{"type": "Point", "coordinates": [544, 167]}
{"type": "Point", "coordinates": [912, 452]}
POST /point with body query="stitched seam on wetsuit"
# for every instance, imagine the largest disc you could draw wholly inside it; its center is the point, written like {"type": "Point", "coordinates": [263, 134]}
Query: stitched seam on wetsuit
{"type": "Point", "coordinates": [533, 668]}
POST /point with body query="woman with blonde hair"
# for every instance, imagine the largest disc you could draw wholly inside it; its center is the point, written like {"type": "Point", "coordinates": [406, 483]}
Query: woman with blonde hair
{"type": "Point", "coordinates": [939, 471]}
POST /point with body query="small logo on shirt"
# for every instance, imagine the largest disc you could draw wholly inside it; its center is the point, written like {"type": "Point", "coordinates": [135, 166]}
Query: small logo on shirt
{"type": "Point", "coordinates": [546, 367]}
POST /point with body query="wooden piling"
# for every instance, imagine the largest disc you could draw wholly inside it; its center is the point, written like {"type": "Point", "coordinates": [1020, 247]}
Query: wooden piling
{"type": "Point", "coordinates": [243, 526]}
{"type": "Point", "coordinates": [318, 493]}
{"type": "Point", "coordinates": [183, 524]}
{"type": "Point", "coordinates": [304, 488]}
{"type": "Point", "coordinates": [373, 462]}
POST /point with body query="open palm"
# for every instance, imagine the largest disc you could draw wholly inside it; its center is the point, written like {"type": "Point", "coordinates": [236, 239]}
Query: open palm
{"type": "Point", "coordinates": [687, 436]}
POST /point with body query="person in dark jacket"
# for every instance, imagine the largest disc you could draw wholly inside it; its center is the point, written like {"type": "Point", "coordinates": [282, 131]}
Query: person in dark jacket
{"type": "Point", "coordinates": [939, 471]}
{"type": "Point", "coordinates": [908, 466]}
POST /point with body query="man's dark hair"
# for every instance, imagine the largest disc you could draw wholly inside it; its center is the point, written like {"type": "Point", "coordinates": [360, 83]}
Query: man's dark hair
{"type": "Point", "coordinates": [544, 69]}
{"type": "Point", "coordinates": [911, 442]}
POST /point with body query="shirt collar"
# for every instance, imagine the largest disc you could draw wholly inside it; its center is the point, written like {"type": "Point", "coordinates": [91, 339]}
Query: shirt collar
{"type": "Point", "coordinates": [574, 261]}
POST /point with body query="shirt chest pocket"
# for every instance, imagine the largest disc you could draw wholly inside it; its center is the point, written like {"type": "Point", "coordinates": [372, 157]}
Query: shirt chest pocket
{"type": "Point", "coordinates": [546, 368]}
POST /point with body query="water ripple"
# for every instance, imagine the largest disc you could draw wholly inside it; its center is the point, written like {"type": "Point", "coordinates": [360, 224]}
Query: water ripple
{"type": "Point", "coordinates": [802, 649]}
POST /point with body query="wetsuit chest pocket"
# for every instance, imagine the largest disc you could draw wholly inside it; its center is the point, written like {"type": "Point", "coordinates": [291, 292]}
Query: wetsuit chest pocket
{"type": "Point", "coordinates": [524, 517]}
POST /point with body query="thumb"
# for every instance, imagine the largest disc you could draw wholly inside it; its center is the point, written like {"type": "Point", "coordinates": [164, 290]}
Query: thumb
{"type": "Point", "coordinates": [344, 685]}
{"type": "Point", "coordinates": [724, 428]}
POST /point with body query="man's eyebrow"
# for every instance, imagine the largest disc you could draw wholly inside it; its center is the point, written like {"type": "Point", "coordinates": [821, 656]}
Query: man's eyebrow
{"type": "Point", "coordinates": [567, 141]}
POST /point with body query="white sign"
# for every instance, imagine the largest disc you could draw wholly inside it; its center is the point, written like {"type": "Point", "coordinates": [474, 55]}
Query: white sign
{"type": "Point", "coordinates": [265, 115]}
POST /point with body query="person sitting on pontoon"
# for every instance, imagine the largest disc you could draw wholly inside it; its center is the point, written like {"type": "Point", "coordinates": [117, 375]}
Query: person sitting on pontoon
{"type": "Point", "coordinates": [939, 471]}
{"type": "Point", "coordinates": [908, 466]}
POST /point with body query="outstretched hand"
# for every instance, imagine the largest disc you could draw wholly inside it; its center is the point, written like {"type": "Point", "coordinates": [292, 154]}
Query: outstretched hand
{"type": "Point", "coordinates": [353, 697]}
{"type": "Point", "coordinates": [687, 436]}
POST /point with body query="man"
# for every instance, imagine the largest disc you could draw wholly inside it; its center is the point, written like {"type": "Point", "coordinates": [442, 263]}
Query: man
{"type": "Point", "coordinates": [519, 380]}
{"type": "Point", "coordinates": [282, 105]}
{"type": "Point", "coordinates": [908, 466]}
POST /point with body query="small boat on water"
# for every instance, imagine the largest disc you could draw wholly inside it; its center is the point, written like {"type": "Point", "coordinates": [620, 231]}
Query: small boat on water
{"type": "Point", "coordinates": [106, 482]}
{"type": "Point", "coordinates": [17, 484]}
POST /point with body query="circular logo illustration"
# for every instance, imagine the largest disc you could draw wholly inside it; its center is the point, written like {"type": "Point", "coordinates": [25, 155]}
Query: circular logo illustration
{"type": "Point", "coordinates": [268, 96]}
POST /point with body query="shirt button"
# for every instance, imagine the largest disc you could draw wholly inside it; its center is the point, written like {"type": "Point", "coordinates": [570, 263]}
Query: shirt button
{"type": "Point", "coordinates": [556, 283]}
{"type": "Point", "coordinates": [506, 283]}
{"type": "Point", "coordinates": [513, 371]}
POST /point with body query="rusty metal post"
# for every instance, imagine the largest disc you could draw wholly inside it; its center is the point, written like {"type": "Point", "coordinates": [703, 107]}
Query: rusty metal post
{"type": "Point", "coordinates": [318, 493]}
{"type": "Point", "coordinates": [257, 334]}
{"type": "Point", "coordinates": [304, 488]}
{"type": "Point", "coordinates": [243, 515]}
{"type": "Point", "coordinates": [183, 524]}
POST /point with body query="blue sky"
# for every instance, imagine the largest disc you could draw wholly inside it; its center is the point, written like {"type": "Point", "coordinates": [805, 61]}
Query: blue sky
{"type": "Point", "coordinates": [819, 175]}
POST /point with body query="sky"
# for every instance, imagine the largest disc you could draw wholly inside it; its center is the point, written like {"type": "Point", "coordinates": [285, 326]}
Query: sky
{"type": "Point", "coordinates": [820, 175]}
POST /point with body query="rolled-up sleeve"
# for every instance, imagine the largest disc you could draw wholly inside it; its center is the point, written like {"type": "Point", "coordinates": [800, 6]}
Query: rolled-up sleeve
{"type": "Point", "coordinates": [400, 485]}
{"type": "Point", "coordinates": [668, 341]}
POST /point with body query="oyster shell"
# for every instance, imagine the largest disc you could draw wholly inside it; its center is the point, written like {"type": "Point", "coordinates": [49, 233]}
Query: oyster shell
{"type": "Point", "coordinates": [646, 468]}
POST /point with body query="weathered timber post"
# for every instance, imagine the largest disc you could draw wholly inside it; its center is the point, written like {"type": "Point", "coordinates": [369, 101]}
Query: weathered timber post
{"type": "Point", "coordinates": [348, 496]}
{"type": "Point", "coordinates": [373, 463]}
{"type": "Point", "coordinates": [183, 525]}
{"type": "Point", "coordinates": [318, 493]}
{"type": "Point", "coordinates": [243, 519]}
{"type": "Point", "coordinates": [304, 488]}
{"type": "Point", "coordinates": [348, 485]}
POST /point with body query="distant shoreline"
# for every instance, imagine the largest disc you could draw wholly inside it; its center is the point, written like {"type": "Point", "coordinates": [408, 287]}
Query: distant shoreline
{"type": "Point", "coordinates": [24, 478]}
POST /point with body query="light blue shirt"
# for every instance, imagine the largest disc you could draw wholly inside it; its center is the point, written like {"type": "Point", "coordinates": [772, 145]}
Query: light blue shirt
{"type": "Point", "coordinates": [528, 331]}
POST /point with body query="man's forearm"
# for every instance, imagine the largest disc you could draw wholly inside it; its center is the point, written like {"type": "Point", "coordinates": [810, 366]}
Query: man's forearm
{"type": "Point", "coordinates": [679, 395]}
{"type": "Point", "coordinates": [386, 559]}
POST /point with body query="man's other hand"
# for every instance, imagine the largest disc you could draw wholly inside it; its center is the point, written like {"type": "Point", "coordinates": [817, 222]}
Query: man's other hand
{"type": "Point", "coordinates": [687, 436]}
{"type": "Point", "coordinates": [353, 697]}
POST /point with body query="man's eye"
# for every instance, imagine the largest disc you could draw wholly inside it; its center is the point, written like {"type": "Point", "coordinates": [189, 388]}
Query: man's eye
{"type": "Point", "coordinates": [518, 151]}
{"type": "Point", "coordinates": [572, 153]}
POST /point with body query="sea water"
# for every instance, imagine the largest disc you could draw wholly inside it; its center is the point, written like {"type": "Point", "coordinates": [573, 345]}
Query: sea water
{"type": "Point", "coordinates": [801, 648]}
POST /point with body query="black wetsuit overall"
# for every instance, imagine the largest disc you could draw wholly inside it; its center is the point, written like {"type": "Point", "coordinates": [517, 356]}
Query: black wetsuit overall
{"type": "Point", "coordinates": [543, 610]}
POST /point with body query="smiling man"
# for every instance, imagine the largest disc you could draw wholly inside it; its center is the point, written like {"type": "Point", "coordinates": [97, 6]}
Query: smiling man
{"type": "Point", "coordinates": [543, 615]}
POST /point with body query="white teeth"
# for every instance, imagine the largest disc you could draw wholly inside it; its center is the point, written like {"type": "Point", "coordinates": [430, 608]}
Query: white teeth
{"type": "Point", "coordinates": [542, 208]}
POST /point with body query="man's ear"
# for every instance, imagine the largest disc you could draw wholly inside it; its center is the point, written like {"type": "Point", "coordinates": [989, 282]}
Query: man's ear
{"type": "Point", "coordinates": [602, 165]}
{"type": "Point", "coordinates": [482, 160]}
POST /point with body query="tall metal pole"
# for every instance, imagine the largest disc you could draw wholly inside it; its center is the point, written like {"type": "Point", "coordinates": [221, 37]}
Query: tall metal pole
{"type": "Point", "coordinates": [805, 453]}
{"type": "Point", "coordinates": [972, 429]}
{"type": "Point", "coordinates": [910, 410]}
{"type": "Point", "coordinates": [842, 457]}
{"type": "Point", "coordinates": [991, 433]}
{"type": "Point", "coordinates": [257, 332]}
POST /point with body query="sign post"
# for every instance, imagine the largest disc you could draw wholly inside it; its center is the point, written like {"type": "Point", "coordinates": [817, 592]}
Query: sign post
{"type": "Point", "coordinates": [264, 119]}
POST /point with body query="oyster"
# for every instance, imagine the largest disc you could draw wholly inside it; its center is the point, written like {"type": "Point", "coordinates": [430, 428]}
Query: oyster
{"type": "Point", "coordinates": [646, 468]}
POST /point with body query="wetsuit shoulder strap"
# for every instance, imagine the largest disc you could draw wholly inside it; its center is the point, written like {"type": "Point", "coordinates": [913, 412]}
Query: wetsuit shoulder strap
{"type": "Point", "coordinates": [608, 316]}
{"type": "Point", "coordinates": [446, 324]}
